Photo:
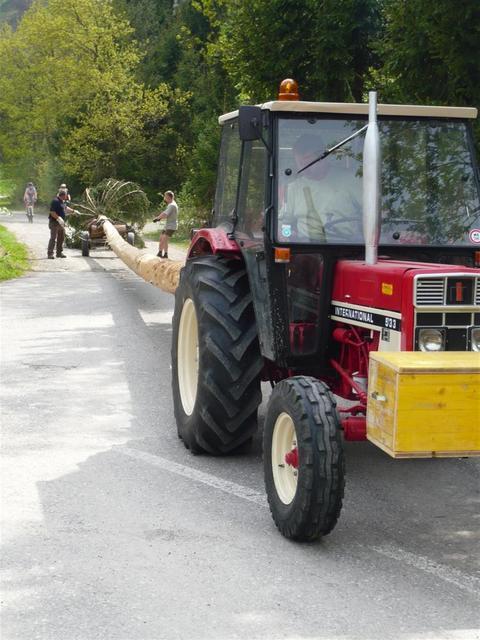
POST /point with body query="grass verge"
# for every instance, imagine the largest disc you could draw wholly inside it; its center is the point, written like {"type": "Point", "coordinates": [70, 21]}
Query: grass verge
{"type": "Point", "coordinates": [13, 256]}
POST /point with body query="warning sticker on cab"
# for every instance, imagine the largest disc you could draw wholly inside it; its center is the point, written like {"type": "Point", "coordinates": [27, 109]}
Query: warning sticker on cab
{"type": "Point", "coordinates": [474, 236]}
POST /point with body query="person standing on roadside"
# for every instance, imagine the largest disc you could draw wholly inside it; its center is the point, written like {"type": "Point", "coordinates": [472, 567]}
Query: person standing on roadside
{"type": "Point", "coordinates": [67, 201]}
{"type": "Point", "coordinates": [63, 187]}
{"type": "Point", "coordinates": [56, 224]}
{"type": "Point", "coordinates": [171, 216]}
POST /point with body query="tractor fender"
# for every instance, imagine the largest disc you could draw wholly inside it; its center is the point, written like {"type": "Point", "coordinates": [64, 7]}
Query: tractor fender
{"type": "Point", "coordinates": [212, 242]}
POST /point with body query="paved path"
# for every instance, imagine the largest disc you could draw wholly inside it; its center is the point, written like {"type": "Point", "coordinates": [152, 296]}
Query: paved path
{"type": "Point", "coordinates": [111, 530]}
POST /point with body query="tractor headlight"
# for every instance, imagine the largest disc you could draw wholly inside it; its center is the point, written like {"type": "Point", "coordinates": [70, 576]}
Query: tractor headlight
{"type": "Point", "coordinates": [475, 338]}
{"type": "Point", "coordinates": [430, 339]}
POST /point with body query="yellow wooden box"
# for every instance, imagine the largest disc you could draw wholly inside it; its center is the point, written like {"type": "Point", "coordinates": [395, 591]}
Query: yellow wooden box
{"type": "Point", "coordinates": [424, 404]}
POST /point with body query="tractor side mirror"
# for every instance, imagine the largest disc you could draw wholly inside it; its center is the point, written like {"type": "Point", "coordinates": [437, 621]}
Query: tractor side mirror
{"type": "Point", "coordinates": [249, 123]}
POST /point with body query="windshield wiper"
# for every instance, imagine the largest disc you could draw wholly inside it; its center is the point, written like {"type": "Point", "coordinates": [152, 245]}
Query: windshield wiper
{"type": "Point", "coordinates": [327, 152]}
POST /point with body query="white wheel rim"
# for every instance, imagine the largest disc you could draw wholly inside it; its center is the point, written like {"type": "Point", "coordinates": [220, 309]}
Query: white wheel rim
{"type": "Point", "coordinates": [285, 476]}
{"type": "Point", "coordinates": [187, 353]}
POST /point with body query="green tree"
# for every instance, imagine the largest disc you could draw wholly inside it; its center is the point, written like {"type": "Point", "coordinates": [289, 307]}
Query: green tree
{"type": "Point", "coordinates": [49, 76]}
{"type": "Point", "coordinates": [180, 46]}
{"type": "Point", "coordinates": [155, 24]}
{"type": "Point", "coordinates": [325, 45]}
{"type": "Point", "coordinates": [343, 48]}
{"type": "Point", "coordinates": [127, 133]}
{"type": "Point", "coordinates": [70, 96]}
{"type": "Point", "coordinates": [201, 68]}
{"type": "Point", "coordinates": [134, 88]}
{"type": "Point", "coordinates": [431, 51]}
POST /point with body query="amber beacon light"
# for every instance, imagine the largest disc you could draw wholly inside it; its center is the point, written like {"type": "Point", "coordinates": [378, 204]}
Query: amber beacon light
{"type": "Point", "coordinates": [288, 90]}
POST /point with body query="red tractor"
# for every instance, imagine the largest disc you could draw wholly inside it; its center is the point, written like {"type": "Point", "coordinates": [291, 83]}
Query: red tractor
{"type": "Point", "coordinates": [287, 287]}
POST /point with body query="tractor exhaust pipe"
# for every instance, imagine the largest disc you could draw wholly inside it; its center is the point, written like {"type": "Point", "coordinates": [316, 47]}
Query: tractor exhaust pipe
{"type": "Point", "coordinates": [371, 183]}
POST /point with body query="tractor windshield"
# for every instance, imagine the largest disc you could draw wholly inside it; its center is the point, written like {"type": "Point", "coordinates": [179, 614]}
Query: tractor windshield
{"type": "Point", "coordinates": [430, 192]}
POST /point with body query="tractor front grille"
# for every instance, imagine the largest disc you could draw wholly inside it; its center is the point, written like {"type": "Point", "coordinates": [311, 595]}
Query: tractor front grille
{"type": "Point", "coordinates": [451, 302]}
{"type": "Point", "coordinates": [430, 291]}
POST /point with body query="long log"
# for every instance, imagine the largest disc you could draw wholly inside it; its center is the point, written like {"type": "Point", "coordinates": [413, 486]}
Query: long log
{"type": "Point", "coordinates": [163, 274]}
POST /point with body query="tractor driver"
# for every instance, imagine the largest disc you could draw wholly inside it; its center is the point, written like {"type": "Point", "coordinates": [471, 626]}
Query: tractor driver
{"type": "Point", "coordinates": [322, 200]}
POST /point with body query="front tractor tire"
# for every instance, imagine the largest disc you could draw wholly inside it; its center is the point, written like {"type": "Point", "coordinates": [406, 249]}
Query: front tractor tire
{"type": "Point", "coordinates": [216, 361]}
{"type": "Point", "coordinates": [303, 459]}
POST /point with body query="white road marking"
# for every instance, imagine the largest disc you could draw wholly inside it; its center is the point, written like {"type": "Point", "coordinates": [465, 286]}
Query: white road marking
{"type": "Point", "coordinates": [194, 474]}
{"type": "Point", "coordinates": [471, 584]}
{"type": "Point", "coordinates": [448, 574]}
{"type": "Point", "coordinates": [155, 317]}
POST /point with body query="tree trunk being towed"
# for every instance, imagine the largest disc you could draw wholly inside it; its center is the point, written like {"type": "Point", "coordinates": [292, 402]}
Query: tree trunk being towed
{"type": "Point", "coordinates": [163, 274]}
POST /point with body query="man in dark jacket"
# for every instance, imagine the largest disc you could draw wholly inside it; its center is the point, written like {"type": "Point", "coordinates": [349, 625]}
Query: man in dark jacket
{"type": "Point", "coordinates": [56, 224]}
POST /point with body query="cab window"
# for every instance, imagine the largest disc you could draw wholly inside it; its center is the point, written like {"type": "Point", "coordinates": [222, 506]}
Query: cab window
{"type": "Point", "coordinates": [228, 172]}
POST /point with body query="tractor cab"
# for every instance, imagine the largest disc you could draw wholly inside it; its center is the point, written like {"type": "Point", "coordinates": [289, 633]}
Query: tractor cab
{"type": "Point", "coordinates": [290, 193]}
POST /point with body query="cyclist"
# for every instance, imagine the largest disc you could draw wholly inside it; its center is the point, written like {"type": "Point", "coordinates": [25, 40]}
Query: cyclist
{"type": "Point", "coordinates": [30, 198]}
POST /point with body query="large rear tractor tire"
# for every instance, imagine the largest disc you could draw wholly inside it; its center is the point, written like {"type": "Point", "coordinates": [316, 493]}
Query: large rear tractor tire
{"type": "Point", "coordinates": [216, 361]}
{"type": "Point", "coordinates": [303, 458]}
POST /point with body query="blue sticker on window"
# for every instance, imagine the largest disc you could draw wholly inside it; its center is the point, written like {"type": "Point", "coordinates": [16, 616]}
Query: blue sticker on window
{"type": "Point", "coordinates": [286, 230]}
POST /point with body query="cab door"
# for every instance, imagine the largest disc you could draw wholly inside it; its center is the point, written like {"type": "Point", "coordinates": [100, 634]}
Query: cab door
{"type": "Point", "coordinates": [253, 203]}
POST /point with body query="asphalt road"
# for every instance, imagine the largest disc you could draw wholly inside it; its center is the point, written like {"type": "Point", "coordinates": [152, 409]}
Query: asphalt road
{"type": "Point", "coordinates": [112, 530]}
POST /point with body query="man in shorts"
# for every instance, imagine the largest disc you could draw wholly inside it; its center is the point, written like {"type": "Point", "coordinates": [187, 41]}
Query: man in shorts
{"type": "Point", "coordinates": [171, 216]}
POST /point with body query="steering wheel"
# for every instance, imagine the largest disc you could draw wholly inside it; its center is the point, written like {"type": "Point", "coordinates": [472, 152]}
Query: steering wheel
{"type": "Point", "coordinates": [330, 227]}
